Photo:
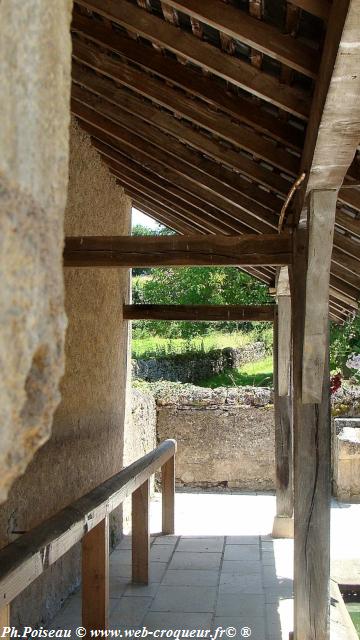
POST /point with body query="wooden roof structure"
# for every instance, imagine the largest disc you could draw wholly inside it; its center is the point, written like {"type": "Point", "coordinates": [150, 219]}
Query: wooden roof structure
{"type": "Point", "coordinates": [208, 111]}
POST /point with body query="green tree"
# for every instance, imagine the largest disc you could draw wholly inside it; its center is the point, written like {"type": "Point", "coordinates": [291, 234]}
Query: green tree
{"type": "Point", "coordinates": [142, 230]}
{"type": "Point", "coordinates": [344, 341]}
{"type": "Point", "coordinates": [196, 285]}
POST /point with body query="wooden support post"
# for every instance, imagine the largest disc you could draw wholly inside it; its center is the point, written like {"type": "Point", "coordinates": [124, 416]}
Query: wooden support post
{"type": "Point", "coordinates": [322, 208]}
{"type": "Point", "coordinates": [283, 522]}
{"type": "Point", "coordinates": [140, 533]}
{"type": "Point", "coordinates": [311, 476]}
{"type": "Point", "coordinates": [4, 620]}
{"type": "Point", "coordinates": [168, 496]}
{"type": "Point", "coordinates": [95, 577]}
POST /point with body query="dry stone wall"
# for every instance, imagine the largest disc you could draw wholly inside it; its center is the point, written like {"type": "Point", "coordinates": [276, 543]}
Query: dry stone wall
{"type": "Point", "coordinates": [35, 77]}
{"type": "Point", "coordinates": [225, 436]}
{"type": "Point", "coordinates": [194, 367]}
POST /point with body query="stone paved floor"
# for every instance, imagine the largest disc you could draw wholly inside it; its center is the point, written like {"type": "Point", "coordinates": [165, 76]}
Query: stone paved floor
{"type": "Point", "coordinates": [221, 569]}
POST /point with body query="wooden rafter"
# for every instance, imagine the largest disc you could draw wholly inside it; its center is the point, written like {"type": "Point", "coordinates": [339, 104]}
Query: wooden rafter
{"type": "Point", "coordinates": [259, 35]}
{"type": "Point", "coordinates": [181, 105]}
{"type": "Point", "coordinates": [206, 89]}
{"type": "Point", "coordinates": [203, 54]}
{"type": "Point", "coordinates": [217, 194]}
{"type": "Point", "coordinates": [229, 158]}
{"type": "Point", "coordinates": [319, 8]}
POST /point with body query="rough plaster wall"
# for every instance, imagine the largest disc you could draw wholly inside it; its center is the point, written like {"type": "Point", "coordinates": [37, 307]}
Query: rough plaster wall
{"type": "Point", "coordinates": [86, 446]}
{"type": "Point", "coordinates": [140, 436]}
{"type": "Point", "coordinates": [35, 70]}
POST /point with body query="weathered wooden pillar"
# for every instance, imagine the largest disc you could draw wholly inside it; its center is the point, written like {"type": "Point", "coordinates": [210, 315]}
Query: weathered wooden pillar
{"type": "Point", "coordinates": [95, 578]}
{"type": "Point", "coordinates": [311, 423]}
{"type": "Point", "coordinates": [141, 533]}
{"type": "Point", "coordinates": [283, 526]}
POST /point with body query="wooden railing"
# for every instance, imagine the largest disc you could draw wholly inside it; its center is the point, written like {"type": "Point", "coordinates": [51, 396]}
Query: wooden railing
{"type": "Point", "coordinates": [87, 520]}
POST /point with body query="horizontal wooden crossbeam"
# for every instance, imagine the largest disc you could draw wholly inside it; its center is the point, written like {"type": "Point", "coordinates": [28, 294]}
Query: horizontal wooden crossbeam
{"type": "Point", "coordinates": [199, 312]}
{"type": "Point", "coordinates": [134, 251]}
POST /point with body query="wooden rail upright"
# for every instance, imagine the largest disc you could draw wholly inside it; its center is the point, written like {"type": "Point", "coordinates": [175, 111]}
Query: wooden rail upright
{"type": "Point", "coordinates": [87, 520]}
{"type": "Point", "coordinates": [168, 495]}
{"type": "Point", "coordinates": [141, 533]}
{"type": "Point", "coordinates": [95, 577]}
{"type": "Point", "coordinates": [4, 619]}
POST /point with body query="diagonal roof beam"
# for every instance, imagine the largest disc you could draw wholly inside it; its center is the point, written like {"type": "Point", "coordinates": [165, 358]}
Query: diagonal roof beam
{"type": "Point", "coordinates": [132, 132]}
{"type": "Point", "coordinates": [201, 53]}
{"type": "Point", "coordinates": [319, 8]}
{"type": "Point", "coordinates": [209, 90]}
{"type": "Point", "coordinates": [155, 90]}
{"type": "Point", "coordinates": [259, 35]}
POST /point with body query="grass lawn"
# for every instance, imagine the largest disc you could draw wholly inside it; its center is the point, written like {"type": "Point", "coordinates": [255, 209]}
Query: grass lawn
{"type": "Point", "coordinates": [257, 374]}
{"type": "Point", "coordinates": [156, 346]}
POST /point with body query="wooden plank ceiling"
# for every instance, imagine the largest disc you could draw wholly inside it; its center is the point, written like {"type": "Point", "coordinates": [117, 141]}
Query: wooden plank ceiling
{"type": "Point", "coordinates": [200, 108]}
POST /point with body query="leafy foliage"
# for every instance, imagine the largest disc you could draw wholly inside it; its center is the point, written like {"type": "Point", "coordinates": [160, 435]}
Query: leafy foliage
{"type": "Point", "coordinates": [142, 230]}
{"type": "Point", "coordinates": [344, 341]}
{"type": "Point", "coordinates": [196, 285]}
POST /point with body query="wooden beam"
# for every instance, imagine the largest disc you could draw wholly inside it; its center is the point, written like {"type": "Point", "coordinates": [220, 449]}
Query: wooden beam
{"type": "Point", "coordinates": [333, 131]}
{"type": "Point", "coordinates": [209, 188]}
{"type": "Point", "coordinates": [133, 251]}
{"type": "Point", "coordinates": [260, 36]}
{"type": "Point", "coordinates": [22, 561]}
{"type": "Point", "coordinates": [168, 497]}
{"type": "Point", "coordinates": [95, 111]}
{"type": "Point", "coordinates": [210, 58]}
{"type": "Point", "coordinates": [158, 215]}
{"type": "Point", "coordinates": [312, 438]}
{"type": "Point", "coordinates": [160, 195]}
{"type": "Point", "coordinates": [209, 90]}
{"type": "Point", "coordinates": [321, 231]}
{"type": "Point", "coordinates": [161, 94]}
{"type": "Point", "coordinates": [5, 618]}
{"type": "Point", "coordinates": [95, 578]}
{"type": "Point", "coordinates": [109, 147]}
{"type": "Point", "coordinates": [197, 312]}
{"type": "Point", "coordinates": [140, 533]}
{"type": "Point", "coordinates": [284, 342]}
{"type": "Point", "coordinates": [283, 526]}
{"type": "Point", "coordinates": [347, 222]}
{"type": "Point", "coordinates": [319, 8]}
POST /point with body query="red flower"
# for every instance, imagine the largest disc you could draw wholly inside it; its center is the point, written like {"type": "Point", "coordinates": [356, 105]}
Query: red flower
{"type": "Point", "coordinates": [335, 383]}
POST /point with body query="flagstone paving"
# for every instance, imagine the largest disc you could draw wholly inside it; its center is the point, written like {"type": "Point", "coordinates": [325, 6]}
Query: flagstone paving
{"type": "Point", "coordinates": [221, 569]}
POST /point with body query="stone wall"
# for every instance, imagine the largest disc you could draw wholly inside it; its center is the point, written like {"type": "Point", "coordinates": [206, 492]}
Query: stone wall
{"type": "Point", "coordinates": [86, 446]}
{"type": "Point", "coordinates": [346, 459]}
{"type": "Point", "coordinates": [225, 436]}
{"type": "Point", "coordinates": [194, 367]}
{"type": "Point", "coordinates": [35, 78]}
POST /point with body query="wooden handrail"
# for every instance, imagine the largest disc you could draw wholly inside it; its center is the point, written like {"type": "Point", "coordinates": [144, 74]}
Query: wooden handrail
{"type": "Point", "coordinates": [22, 561]}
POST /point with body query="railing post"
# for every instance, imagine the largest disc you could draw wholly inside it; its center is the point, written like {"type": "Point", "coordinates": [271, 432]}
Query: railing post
{"type": "Point", "coordinates": [168, 496]}
{"type": "Point", "coordinates": [4, 620]}
{"type": "Point", "coordinates": [95, 577]}
{"type": "Point", "coordinates": [141, 533]}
